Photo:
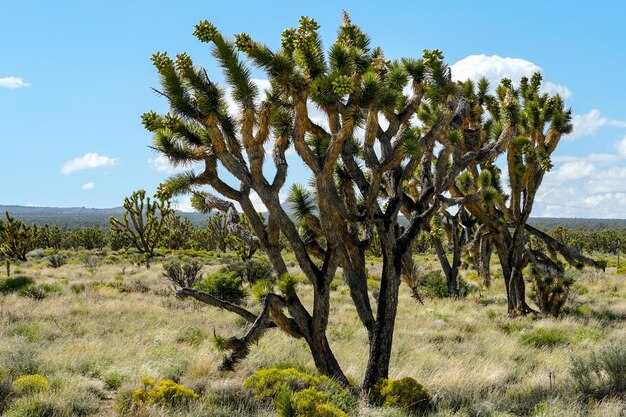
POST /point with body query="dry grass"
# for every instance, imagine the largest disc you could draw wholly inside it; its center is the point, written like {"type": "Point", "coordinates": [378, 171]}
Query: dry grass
{"type": "Point", "coordinates": [474, 360]}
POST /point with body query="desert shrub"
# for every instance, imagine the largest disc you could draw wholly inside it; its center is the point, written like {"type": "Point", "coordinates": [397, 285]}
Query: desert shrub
{"type": "Point", "coordinates": [405, 393]}
{"type": "Point", "coordinates": [313, 403]}
{"type": "Point", "coordinates": [6, 390]}
{"type": "Point", "coordinates": [78, 288]}
{"type": "Point", "coordinates": [21, 359]}
{"type": "Point", "coordinates": [56, 261]}
{"type": "Point", "coordinates": [28, 407]}
{"type": "Point", "coordinates": [328, 410]}
{"type": "Point", "coordinates": [66, 401]}
{"type": "Point", "coordinates": [36, 254]}
{"type": "Point", "coordinates": [600, 373]}
{"type": "Point", "coordinates": [267, 383]}
{"type": "Point", "coordinates": [183, 274]}
{"type": "Point", "coordinates": [39, 292]}
{"type": "Point", "coordinates": [306, 403]}
{"type": "Point", "coordinates": [544, 338]}
{"type": "Point", "coordinates": [91, 262]}
{"type": "Point", "coordinates": [251, 270]}
{"type": "Point", "coordinates": [14, 284]}
{"type": "Point", "coordinates": [227, 287]}
{"type": "Point", "coordinates": [307, 400]}
{"type": "Point", "coordinates": [138, 286]}
{"type": "Point", "coordinates": [167, 393]}
{"type": "Point", "coordinates": [297, 393]}
{"type": "Point", "coordinates": [434, 284]}
{"type": "Point", "coordinates": [112, 379]}
{"type": "Point", "coordinates": [30, 384]}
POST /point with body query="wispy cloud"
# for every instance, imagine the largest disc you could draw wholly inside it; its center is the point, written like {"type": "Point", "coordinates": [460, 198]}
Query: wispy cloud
{"type": "Point", "coordinates": [12, 83]}
{"type": "Point", "coordinates": [585, 186]}
{"type": "Point", "coordinates": [90, 160]}
{"type": "Point", "coordinates": [587, 124]}
{"type": "Point", "coordinates": [88, 186]}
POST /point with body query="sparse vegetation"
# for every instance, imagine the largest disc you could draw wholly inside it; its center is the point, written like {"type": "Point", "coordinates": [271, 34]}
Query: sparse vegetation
{"type": "Point", "coordinates": [404, 188]}
{"type": "Point", "coordinates": [468, 360]}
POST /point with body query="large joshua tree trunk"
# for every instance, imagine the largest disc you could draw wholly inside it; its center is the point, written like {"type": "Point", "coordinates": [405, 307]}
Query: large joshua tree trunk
{"type": "Point", "coordinates": [382, 334]}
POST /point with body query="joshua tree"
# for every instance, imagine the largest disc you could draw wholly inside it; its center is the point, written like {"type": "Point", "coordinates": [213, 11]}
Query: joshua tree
{"type": "Point", "coordinates": [144, 222]}
{"type": "Point", "coordinates": [179, 233]}
{"type": "Point", "coordinates": [355, 189]}
{"type": "Point", "coordinates": [215, 236]}
{"type": "Point", "coordinates": [16, 238]}
{"type": "Point", "coordinates": [535, 123]}
{"type": "Point", "coordinates": [50, 237]}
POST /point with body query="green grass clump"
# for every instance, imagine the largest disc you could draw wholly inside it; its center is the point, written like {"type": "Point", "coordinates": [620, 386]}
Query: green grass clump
{"type": "Point", "coordinates": [191, 335]}
{"type": "Point", "coordinates": [15, 284]}
{"type": "Point", "coordinates": [545, 338]}
{"type": "Point", "coordinates": [112, 379]}
{"type": "Point", "coordinates": [78, 288]}
{"type": "Point", "coordinates": [40, 292]}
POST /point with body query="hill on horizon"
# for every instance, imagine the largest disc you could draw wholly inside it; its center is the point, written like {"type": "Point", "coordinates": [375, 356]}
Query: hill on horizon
{"type": "Point", "coordinates": [79, 217]}
{"type": "Point", "coordinates": [72, 218]}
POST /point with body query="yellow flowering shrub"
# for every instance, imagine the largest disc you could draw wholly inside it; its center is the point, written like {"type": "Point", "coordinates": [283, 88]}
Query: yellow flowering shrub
{"type": "Point", "coordinates": [406, 393]}
{"type": "Point", "coordinates": [30, 384]}
{"type": "Point", "coordinates": [166, 393]}
{"type": "Point", "coordinates": [267, 383]}
{"type": "Point", "coordinates": [299, 394]}
{"type": "Point", "coordinates": [328, 410]}
{"type": "Point", "coordinates": [307, 400]}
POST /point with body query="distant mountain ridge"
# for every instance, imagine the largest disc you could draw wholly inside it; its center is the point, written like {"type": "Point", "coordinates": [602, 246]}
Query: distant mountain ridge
{"type": "Point", "coordinates": [78, 217]}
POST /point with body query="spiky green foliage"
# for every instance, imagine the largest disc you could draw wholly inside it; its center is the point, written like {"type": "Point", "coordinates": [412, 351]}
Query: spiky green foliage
{"type": "Point", "coordinates": [144, 221]}
{"type": "Point", "coordinates": [16, 238]}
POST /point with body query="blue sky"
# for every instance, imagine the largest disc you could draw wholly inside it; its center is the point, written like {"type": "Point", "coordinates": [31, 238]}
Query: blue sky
{"type": "Point", "coordinates": [75, 77]}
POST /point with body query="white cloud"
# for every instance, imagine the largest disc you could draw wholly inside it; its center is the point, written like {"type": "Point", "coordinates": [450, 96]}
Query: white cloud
{"type": "Point", "coordinates": [494, 68]}
{"type": "Point", "coordinates": [161, 164]}
{"type": "Point", "coordinates": [12, 83]}
{"type": "Point", "coordinates": [621, 147]}
{"type": "Point", "coordinates": [552, 89]}
{"type": "Point", "coordinates": [571, 171]}
{"type": "Point", "coordinates": [90, 160]}
{"type": "Point", "coordinates": [578, 188]}
{"type": "Point", "coordinates": [588, 124]}
{"type": "Point", "coordinates": [88, 186]}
